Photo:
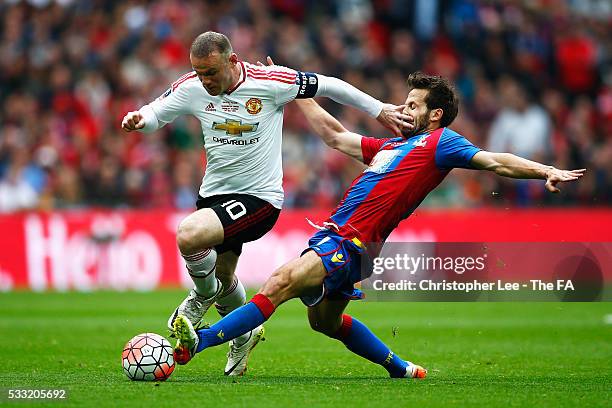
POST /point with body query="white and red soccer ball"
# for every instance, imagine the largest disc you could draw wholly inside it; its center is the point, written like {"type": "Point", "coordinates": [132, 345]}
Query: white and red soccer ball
{"type": "Point", "coordinates": [147, 357]}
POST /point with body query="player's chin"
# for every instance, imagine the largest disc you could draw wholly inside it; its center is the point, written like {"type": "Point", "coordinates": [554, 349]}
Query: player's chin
{"type": "Point", "coordinates": [212, 91]}
{"type": "Point", "coordinates": [407, 133]}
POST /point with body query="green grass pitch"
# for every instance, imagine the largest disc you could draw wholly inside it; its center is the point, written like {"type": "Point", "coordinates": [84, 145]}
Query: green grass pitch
{"type": "Point", "coordinates": [493, 354]}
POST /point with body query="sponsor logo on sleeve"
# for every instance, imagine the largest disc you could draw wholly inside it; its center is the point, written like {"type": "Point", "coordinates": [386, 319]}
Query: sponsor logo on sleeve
{"type": "Point", "coordinates": [165, 94]}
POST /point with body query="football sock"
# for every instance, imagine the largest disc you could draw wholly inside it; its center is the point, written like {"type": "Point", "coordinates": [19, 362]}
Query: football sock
{"type": "Point", "coordinates": [360, 340]}
{"type": "Point", "coordinates": [232, 298]}
{"type": "Point", "coordinates": [240, 321]}
{"type": "Point", "coordinates": [201, 268]}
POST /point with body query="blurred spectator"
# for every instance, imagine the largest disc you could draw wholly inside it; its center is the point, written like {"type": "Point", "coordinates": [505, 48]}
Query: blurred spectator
{"type": "Point", "coordinates": [21, 183]}
{"type": "Point", "coordinates": [535, 79]}
{"type": "Point", "coordinates": [576, 58]}
{"type": "Point", "coordinates": [520, 127]}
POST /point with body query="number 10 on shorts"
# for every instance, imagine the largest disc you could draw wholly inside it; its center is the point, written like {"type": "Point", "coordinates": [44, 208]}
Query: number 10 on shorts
{"type": "Point", "coordinates": [235, 209]}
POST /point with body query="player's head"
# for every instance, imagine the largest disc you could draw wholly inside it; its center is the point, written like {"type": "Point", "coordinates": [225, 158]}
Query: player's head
{"type": "Point", "coordinates": [213, 59]}
{"type": "Point", "coordinates": [432, 103]}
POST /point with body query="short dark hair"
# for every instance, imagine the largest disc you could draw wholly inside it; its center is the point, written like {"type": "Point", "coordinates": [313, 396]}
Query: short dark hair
{"type": "Point", "coordinates": [209, 42]}
{"type": "Point", "coordinates": [441, 95]}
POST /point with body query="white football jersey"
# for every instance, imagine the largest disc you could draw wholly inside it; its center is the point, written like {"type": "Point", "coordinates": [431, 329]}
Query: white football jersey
{"type": "Point", "coordinates": [242, 127]}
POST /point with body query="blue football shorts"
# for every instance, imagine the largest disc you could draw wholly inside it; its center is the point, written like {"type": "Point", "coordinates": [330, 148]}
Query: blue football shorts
{"type": "Point", "coordinates": [342, 259]}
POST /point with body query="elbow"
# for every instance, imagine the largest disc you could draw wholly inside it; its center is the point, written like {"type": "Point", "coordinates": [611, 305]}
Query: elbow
{"type": "Point", "coordinates": [500, 171]}
{"type": "Point", "coordinates": [503, 171]}
{"type": "Point", "coordinates": [331, 139]}
{"type": "Point", "coordinates": [494, 167]}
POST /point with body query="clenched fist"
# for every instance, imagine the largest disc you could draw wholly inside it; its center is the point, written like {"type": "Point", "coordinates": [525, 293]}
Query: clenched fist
{"type": "Point", "coordinates": [132, 121]}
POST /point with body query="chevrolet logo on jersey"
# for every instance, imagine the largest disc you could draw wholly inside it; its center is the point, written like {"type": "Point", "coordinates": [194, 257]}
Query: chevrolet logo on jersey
{"type": "Point", "coordinates": [235, 127]}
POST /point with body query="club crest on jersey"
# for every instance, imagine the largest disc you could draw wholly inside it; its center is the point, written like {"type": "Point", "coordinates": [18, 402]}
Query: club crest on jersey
{"type": "Point", "coordinates": [253, 106]}
{"type": "Point", "coordinates": [421, 141]}
{"type": "Point", "coordinates": [235, 127]}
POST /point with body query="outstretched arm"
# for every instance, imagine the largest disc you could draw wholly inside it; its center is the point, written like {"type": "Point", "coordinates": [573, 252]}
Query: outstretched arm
{"type": "Point", "coordinates": [509, 165]}
{"type": "Point", "coordinates": [389, 115]}
{"type": "Point", "coordinates": [174, 102]}
{"type": "Point", "coordinates": [330, 130]}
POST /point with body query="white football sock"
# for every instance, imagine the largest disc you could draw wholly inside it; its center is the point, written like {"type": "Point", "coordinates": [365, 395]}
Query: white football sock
{"type": "Point", "coordinates": [201, 268]}
{"type": "Point", "coordinates": [232, 298]}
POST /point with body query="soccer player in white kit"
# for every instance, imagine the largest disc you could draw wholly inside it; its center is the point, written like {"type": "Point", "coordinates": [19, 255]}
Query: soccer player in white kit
{"type": "Point", "coordinates": [240, 108]}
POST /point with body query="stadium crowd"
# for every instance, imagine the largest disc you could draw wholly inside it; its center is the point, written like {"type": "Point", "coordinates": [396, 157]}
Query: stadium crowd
{"type": "Point", "coordinates": [535, 79]}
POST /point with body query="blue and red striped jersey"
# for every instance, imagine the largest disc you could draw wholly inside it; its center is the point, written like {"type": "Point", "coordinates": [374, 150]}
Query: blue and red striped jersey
{"type": "Point", "coordinates": [400, 174]}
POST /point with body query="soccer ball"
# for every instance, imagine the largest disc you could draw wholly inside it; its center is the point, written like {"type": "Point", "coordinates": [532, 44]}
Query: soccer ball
{"type": "Point", "coordinates": [147, 357]}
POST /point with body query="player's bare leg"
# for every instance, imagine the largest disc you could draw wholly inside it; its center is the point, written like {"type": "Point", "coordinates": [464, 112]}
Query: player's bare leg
{"type": "Point", "coordinates": [226, 268]}
{"type": "Point", "coordinates": [200, 229]}
{"type": "Point", "coordinates": [328, 318]}
{"type": "Point", "coordinates": [197, 235]}
{"type": "Point", "coordinates": [301, 276]}
{"type": "Point", "coordinates": [232, 297]}
{"type": "Point", "coordinates": [241, 346]}
{"type": "Point", "coordinates": [291, 280]}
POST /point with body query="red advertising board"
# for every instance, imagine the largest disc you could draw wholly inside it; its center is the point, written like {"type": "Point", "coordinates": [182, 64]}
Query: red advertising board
{"type": "Point", "coordinates": [122, 250]}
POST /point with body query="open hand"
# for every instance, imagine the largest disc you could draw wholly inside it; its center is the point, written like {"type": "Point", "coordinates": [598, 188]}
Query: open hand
{"type": "Point", "coordinates": [555, 176]}
{"type": "Point", "coordinates": [392, 117]}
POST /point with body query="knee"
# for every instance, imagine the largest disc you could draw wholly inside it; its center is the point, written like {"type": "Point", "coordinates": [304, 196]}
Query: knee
{"type": "Point", "coordinates": [280, 285]}
{"type": "Point", "coordinates": [189, 237]}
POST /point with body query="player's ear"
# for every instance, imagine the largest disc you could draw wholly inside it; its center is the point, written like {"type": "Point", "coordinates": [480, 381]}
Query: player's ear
{"type": "Point", "coordinates": [233, 58]}
{"type": "Point", "coordinates": [435, 115]}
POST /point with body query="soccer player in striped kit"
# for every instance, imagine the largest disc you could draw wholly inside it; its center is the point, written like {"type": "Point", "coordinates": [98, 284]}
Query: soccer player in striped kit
{"type": "Point", "coordinates": [401, 172]}
{"type": "Point", "coordinates": [240, 108]}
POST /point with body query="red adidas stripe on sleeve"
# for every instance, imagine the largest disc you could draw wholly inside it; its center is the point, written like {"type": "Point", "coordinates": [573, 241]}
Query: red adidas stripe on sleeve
{"type": "Point", "coordinates": [279, 76]}
{"type": "Point", "coordinates": [182, 79]}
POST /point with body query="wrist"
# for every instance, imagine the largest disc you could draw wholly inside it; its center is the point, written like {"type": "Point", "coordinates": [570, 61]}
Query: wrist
{"type": "Point", "coordinates": [548, 171]}
{"type": "Point", "coordinates": [149, 118]}
{"type": "Point", "coordinates": [376, 109]}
